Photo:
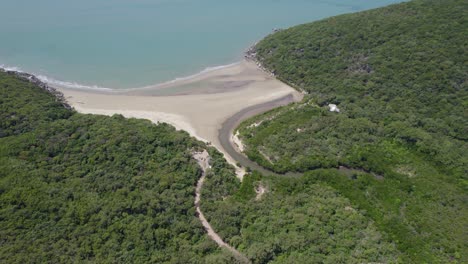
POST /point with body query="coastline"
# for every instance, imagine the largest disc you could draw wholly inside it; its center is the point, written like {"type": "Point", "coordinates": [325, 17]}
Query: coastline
{"type": "Point", "coordinates": [52, 82]}
{"type": "Point", "coordinates": [34, 80]}
{"type": "Point", "coordinates": [199, 105]}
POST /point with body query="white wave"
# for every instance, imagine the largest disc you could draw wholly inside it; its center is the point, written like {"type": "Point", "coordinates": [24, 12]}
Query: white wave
{"type": "Point", "coordinates": [53, 82]}
{"type": "Point", "coordinates": [10, 68]}
{"type": "Point", "coordinates": [180, 79]}
{"type": "Point", "coordinates": [206, 70]}
{"type": "Point", "coordinates": [70, 85]}
{"type": "Point", "coordinates": [74, 85]}
{"type": "Point", "coordinates": [215, 68]}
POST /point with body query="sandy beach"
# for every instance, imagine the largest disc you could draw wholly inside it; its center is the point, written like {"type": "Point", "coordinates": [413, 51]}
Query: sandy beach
{"type": "Point", "coordinates": [199, 104]}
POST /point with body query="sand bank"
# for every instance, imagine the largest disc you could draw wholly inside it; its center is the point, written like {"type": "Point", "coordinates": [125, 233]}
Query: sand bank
{"type": "Point", "coordinates": [198, 105]}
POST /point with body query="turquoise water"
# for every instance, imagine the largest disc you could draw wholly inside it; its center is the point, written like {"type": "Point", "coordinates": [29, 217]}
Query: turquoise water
{"type": "Point", "coordinates": [133, 43]}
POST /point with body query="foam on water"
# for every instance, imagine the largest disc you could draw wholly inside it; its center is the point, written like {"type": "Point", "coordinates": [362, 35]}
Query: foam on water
{"type": "Point", "coordinates": [70, 85]}
{"type": "Point", "coordinates": [10, 68]}
{"type": "Point", "coordinates": [180, 79]}
{"type": "Point", "coordinates": [74, 85]}
{"type": "Point", "coordinates": [53, 82]}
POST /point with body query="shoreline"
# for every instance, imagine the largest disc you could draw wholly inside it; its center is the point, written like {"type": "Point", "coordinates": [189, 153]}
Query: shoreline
{"type": "Point", "coordinates": [158, 88]}
{"type": "Point", "coordinates": [225, 138]}
{"type": "Point", "coordinates": [72, 85]}
{"type": "Point", "coordinates": [208, 106]}
{"type": "Point", "coordinates": [199, 105]}
{"type": "Point", "coordinates": [34, 80]}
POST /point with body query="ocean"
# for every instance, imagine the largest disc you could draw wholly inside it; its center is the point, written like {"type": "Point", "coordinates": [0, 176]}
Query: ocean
{"type": "Point", "coordinates": [134, 43]}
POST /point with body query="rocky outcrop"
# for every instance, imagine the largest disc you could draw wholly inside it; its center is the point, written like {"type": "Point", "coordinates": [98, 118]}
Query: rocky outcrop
{"type": "Point", "coordinates": [34, 80]}
{"type": "Point", "coordinates": [251, 55]}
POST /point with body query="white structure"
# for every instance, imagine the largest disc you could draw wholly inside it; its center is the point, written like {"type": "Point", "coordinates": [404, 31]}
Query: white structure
{"type": "Point", "coordinates": [334, 108]}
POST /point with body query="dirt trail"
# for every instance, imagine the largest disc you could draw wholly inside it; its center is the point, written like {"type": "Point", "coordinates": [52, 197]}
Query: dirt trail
{"type": "Point", "coordinates": [203, 159]}
{"type": "Point", "coordinates": [260, 190]}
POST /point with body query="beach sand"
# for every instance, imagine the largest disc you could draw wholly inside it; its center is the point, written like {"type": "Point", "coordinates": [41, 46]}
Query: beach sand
{"type": "Point", "coordinates": [199, 104]}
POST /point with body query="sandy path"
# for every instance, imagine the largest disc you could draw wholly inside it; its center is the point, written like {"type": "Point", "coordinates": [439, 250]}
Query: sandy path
{"type": "Point", "coordinates": [203, 160]}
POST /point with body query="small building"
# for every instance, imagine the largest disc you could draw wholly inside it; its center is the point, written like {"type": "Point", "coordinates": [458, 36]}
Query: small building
{"type": "Point", "coordinates": [334, 108]}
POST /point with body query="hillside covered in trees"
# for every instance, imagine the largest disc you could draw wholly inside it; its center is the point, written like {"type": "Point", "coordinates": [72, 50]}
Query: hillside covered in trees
{"type": "Point", "coordinates": [296, 220]}
{"type": "Point", "coordinates": [384, 180]}
{"type": "Point", "coordinates": [398, 75]}
{"type": "Point", "coordinates": [86, 188]}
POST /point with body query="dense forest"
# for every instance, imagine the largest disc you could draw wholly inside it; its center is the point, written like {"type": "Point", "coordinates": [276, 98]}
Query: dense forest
{"type": "Point", "coordinates": [384, 180]}
{"type": "Point", "coordinates": [296, 220]}
{"type": "Point", "coordinates": [398, 75]}
{"type": "Point", "coordinates": [86, 188]}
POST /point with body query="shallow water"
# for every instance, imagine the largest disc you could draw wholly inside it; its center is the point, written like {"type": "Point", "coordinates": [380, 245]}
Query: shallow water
{"type": "Point", "coordinates": [134, 43]}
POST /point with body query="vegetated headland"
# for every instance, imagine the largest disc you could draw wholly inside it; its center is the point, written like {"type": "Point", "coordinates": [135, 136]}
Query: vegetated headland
{"type": "Point", "coordinates": [382, 91]}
